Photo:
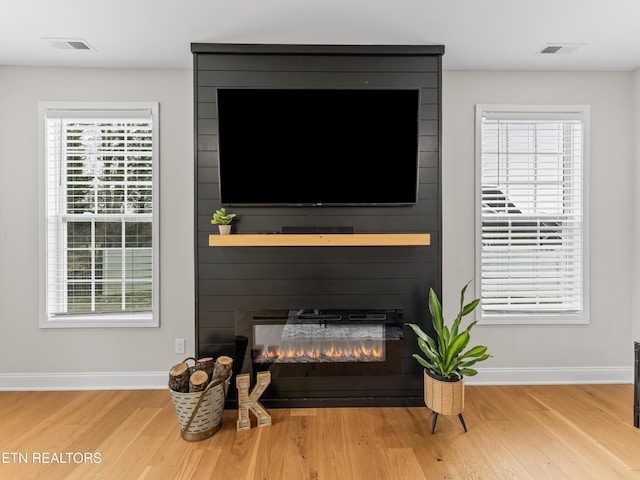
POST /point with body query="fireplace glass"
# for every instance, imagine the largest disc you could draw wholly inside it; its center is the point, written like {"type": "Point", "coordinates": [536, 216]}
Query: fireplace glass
{"type": "Point", "coordinates": [324, 338]}
{"type": "Point", "coordinates": [316, 342]}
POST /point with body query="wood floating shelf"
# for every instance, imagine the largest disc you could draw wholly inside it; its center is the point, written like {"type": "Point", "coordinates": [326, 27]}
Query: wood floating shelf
{"type": "Point", "coordinates": [320, 240]}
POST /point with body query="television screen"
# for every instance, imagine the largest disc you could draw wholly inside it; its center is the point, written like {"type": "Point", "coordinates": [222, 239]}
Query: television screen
{"type": "Point", "coordinates": [317, 147]}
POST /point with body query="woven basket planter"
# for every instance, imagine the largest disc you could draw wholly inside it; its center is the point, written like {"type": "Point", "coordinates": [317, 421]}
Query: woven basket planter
{"type": "Point", "coordinates": [200, 413]}
{"type": "Point", "coordinates": [442, 395]}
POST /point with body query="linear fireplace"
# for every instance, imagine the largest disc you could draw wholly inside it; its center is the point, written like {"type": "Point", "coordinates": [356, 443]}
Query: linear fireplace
{"type": "Point", "coordinates": [304, 349]}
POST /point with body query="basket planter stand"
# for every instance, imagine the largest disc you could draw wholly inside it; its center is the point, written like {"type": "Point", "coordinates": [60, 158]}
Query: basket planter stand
{"type": "Point", "coordinates": [443, 396]}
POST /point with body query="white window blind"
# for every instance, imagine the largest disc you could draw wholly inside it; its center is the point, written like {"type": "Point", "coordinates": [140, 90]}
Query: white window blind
{"type": "Point", "coordinates": [532, 213]}
{"type": "Point", "coordinates": [100, 234]}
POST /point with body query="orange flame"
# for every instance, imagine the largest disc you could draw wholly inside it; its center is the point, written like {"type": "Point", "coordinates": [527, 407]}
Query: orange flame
{"type": "Point", "coordinates": [329, 352]}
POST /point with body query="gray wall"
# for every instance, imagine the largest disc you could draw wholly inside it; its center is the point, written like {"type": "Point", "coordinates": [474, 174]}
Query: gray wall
{"type": "Point", "coordinates": [601, 351]}
{"type": "Point", "coordinates": [74, 358]}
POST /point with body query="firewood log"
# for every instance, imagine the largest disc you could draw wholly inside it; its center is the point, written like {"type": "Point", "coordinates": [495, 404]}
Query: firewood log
{"type": "Point", "coordinates": [198, 381]}
{"type": "Point", "coordinates": [223, 366]}
{"type": "Point", "coordinates": [206, 365]}
{"type": "Point", "coordinates": [179, 378]}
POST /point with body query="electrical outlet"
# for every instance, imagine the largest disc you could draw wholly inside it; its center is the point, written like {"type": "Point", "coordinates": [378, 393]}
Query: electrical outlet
{"type": "Point", "coordinates": [180, 346]}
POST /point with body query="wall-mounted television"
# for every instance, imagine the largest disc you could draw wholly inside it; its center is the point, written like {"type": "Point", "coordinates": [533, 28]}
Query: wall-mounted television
{"type": "Point", "coordinates": [316, 147]}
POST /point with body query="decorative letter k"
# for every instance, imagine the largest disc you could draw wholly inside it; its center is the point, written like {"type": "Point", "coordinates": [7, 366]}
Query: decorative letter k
{"type": "Point", "coordinates": [248, 402]}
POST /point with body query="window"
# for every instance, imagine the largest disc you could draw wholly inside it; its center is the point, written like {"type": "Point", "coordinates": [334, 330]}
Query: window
{"type": "Point", "coordinates": [99, 228]}
{"type": "Point", "coordinates": [532, 248]}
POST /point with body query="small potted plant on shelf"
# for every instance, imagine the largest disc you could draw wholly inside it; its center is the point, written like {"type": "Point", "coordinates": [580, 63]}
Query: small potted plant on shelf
{"type": "Point", "coordinates": [223, 220]}
{"type": "Point", "coordinates": [446, 360]}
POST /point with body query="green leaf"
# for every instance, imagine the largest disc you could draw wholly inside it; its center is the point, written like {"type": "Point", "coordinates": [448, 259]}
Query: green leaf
{"type": "Point", "coordinates": [418, 331]}
{"type": "Point", "coordinates": [464, 309]}
{"type": "Point", "coordinates": [471, 325]}
{"type": "Point", "coordinates": [464, 289]}
{"type": "Point", "coordinates": [484, 357]}
{"type": "Point", "coordinates": [455, 348]}
{"type": "Point", "coordinates": [475, 351]}
{"type": "Point", "coordinates": [424, 346]}
{"type": "Point", "coordinates": [470, 307]}
{"type": "Point", "coordinates": [432, 344]}
{"type": "Point", "coordinates": [465, 343]}
{"type": "Point", "coordinates": [454, 329]}
{"type": "Point", "coordinates": [473, 361]}
{"type": "Point", "coordinates": [446, 335]}
{"type": "Point", "coordinates": [468, 372]}
{"type": "Point", "coordinates": [436, 311]}
{"type": "Point", "coordinates": [423, 362]}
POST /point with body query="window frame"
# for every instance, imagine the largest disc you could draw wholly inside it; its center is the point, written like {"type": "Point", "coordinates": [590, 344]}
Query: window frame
{"type": "Point", "coordinates": [582, 112]}
{"type": "Point", "coordinates": [117, 319]}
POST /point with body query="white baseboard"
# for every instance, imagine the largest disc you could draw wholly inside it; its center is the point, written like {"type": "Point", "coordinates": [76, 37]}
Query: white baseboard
{"type": "Point", "coordinates": [550, 375]}
{"type": "Point", "coordinates": [84, 381]}
{"type": "Point", "coordinates": [158, 380]}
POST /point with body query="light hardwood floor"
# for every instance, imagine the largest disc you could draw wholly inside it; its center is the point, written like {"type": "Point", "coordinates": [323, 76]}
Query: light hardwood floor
{"type": "Point", "coordinates": [516, 432]}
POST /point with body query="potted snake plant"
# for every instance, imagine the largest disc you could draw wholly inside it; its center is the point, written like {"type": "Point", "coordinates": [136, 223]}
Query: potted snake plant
{"type": "Point", "coordinates": [446, 359]}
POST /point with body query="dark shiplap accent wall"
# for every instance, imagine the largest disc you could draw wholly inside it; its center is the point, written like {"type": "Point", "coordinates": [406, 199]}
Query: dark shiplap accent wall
{"type": "Point", "coordinates": [253, 278]}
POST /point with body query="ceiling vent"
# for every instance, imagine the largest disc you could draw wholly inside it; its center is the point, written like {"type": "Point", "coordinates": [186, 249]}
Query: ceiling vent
{"type": "Point", "coordinates": [69, 44]}
{"type": "Point", "coordinates": [560, 48]}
